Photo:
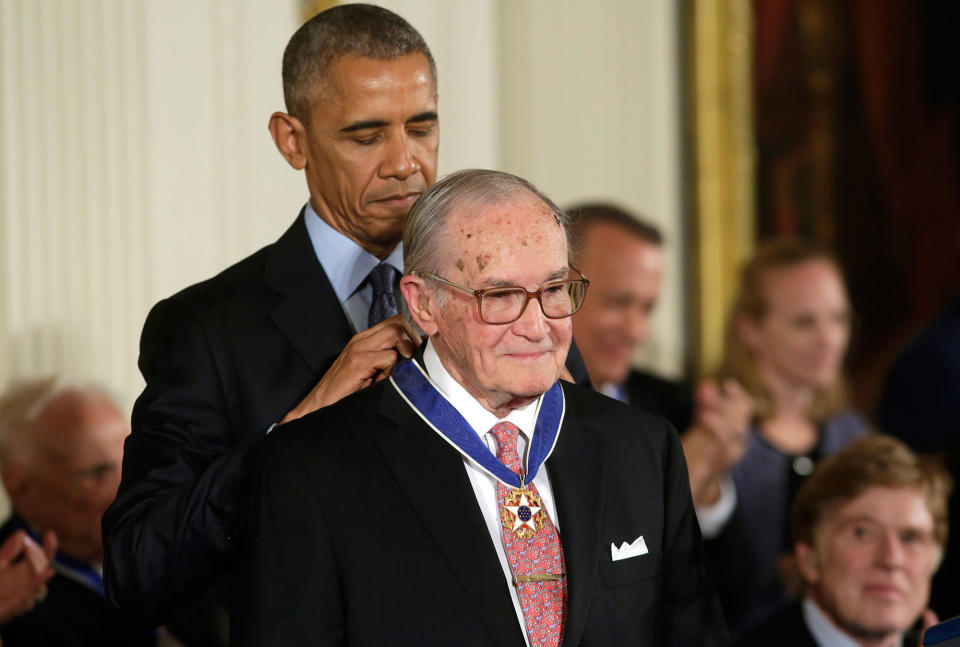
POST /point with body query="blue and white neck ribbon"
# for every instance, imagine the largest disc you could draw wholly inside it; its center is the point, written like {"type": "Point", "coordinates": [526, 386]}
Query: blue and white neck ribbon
{"type": "Point", "coordinates": [425, 398]}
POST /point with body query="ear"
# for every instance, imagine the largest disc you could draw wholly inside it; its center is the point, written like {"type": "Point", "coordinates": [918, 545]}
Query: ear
{"type": "Point", "coordinates": [419, 299]}
{"type": "Point", "coordinates": [289, 135]}
{"type": "Point", "coordinates": [808, 562]}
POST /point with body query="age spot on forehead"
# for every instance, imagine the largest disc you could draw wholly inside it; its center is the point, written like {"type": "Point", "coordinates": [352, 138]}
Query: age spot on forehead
{"type": "Point", "coordinates": [482, 261]}
{"type": "Point", "coordinates": [460, 264]}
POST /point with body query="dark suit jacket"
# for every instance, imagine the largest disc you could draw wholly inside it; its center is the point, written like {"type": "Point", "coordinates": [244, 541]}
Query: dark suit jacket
{"type": "Point", "coordinates": [787, 628]}
{"type": "Point", "coordinates": [71, 615]}
{"type": "Point", "coordinates": [365, 531]}
{"type": "Point", "coordinates": [672, 400]}
{"type": "Point", "coordinates": [223, 360]}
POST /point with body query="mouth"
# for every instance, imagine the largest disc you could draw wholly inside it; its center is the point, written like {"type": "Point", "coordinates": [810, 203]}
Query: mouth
{"type": "Point", "coordinates": [399, 199]}
{"type": "Point", "coordinates": [885, 591]}
{"type": "Point", "coordinates": [529, 356]}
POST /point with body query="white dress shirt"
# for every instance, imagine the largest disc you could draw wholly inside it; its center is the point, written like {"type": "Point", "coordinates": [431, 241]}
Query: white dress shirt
{"type": "Point", "coordinates": [484, 485]}
{"type": "Point", "coordinates": [824, 632]}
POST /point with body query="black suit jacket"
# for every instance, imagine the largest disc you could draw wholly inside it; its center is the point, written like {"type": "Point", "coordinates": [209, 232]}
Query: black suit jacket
{"type": "Point", "coordinates": [672, 400]}
{"type": "Point", "coordinates": [365, 531]}
{"type": "Point", "coordinates": [787, 628]}
{"type": "Point", "coordinates": [223, 360]}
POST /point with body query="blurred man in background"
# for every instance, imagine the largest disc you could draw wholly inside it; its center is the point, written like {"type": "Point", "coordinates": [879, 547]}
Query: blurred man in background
{"type": "Point", "coordinates": [60, 452]}
{"type": "Point", "coordinates": [622, 255]}
{"type": "Point", "coordinates": [869, 527]}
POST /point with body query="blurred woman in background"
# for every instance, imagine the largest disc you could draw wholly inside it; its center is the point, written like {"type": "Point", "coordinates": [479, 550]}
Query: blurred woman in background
{"type": "Point", "coordinates": [787, 336]}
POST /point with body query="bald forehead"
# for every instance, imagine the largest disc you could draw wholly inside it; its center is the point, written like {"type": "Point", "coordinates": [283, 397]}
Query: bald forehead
{"type": "Point", "coordinates": [478, 233]}
{"type": "Point", "coordinates": [76, 412]}
{"type": "Point", "coordinates": [520, 207]}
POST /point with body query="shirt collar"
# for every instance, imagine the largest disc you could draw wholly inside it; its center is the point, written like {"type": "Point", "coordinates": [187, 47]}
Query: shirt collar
{"type": "Point", "coordinates": [481, 420]}
{"type": "Point", "coordinates": [825, 633]}
{"type": "Point", "coordinates": [345, 263]}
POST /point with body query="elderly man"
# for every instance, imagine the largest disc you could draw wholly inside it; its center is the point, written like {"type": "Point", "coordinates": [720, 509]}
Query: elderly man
{"type": "Point", "coordinates": [404, 514]}
{"type": "Point", "coordinates": [869, 525]}
{"type": "Point", "coordinates": [60, 453]}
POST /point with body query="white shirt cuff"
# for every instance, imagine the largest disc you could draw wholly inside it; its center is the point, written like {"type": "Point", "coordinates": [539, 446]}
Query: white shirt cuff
{"type": "Point", "coordinates": [714, 517]}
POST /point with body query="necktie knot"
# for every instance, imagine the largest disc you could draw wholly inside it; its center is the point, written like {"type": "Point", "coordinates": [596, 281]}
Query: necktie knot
{"type": "Point", "coordinates": [506, 434]}
{"type": "Point", "coordinates": [383, 304]}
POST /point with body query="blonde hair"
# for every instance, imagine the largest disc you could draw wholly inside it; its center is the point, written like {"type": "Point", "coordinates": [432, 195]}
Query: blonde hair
{"type": "Point", "coordinates": [752, 303]}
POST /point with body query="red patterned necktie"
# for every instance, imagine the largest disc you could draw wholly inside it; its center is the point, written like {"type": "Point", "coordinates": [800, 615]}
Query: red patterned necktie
{"type": "Point", "coordinates": [544, 603]}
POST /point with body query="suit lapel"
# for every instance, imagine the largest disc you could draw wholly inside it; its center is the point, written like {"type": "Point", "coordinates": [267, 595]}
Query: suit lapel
{"type": "Point", "coordinates": [576, 470]}
{"type": "Point", "coordinates": [432, 475]}
{"type": "Point", "coordinates": [309, 315]}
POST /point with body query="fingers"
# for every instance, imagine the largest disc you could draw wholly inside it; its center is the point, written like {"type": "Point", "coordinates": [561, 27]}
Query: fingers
{"type": "Point", "coordinates": [12, 547]}
{"type": "Point", "coordinates": [367, 358]}
{"type": "Point", "coordinates": [50, 545]}
{"type": "Point", "coordinates": [35, 556]}
{"type": "Point", "coordinates": [394, 328]}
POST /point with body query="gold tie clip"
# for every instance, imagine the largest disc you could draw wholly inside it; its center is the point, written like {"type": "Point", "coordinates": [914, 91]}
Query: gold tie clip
{"type": "Point", "coordinates": [537, 577]}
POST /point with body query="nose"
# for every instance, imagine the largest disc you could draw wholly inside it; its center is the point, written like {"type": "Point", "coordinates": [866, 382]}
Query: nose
{"type": "Point", "coordinates": [400, 160]}
{"type": "Point", "coordinates": [636, 325]}
{"type": "Point", "coordinates": [532, 323]}
{"type": "Point", "coordinates": [890, 553]}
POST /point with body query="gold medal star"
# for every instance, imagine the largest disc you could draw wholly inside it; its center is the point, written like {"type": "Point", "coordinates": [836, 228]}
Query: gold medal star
{"type": "Point", "coordinates": [523, 513]}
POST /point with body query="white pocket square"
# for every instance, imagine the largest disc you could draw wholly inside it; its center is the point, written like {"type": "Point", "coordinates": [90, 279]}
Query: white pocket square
{"type": "Point", "coordinates": [637, 548]}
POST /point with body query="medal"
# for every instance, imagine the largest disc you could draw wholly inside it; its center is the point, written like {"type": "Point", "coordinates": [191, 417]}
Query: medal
{"type": "Point", "coordinates": [522, 512]}
{"type": "Point", "coordinates": [523, 507]}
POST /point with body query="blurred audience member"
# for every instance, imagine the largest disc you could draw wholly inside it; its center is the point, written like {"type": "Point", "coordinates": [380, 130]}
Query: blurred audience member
{"type": "Point", "coordinates": [921, 406]}
{"type": "Point", "coordinates": [786, 339]}
{"type": "Point", "coordinates": [869, 528]}
{"type": "Point", "coordinates": [623, 258]}
{"type": "Point", "coordinates": [60, 453]}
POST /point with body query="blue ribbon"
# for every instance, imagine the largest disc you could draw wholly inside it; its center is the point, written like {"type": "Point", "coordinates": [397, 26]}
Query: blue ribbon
{"type": "Point", "coordinates": [421, 393]}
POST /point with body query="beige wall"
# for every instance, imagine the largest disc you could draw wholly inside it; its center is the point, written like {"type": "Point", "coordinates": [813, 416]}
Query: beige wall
{"type": "Point", "coordinates": [135, 159]}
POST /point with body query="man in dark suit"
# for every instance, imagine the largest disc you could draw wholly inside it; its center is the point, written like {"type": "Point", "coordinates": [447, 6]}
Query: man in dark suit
{"type": "Point", "coordinates": [623, 257]}
{"type": "Point", "coordinates": [289, 329]}
{"type": "Point", "coordinates": [869, 527]}
{"type": "Point", "coordinates": [403, 514]}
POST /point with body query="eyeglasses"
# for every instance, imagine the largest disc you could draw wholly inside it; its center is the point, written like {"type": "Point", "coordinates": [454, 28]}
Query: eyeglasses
{"type": "Point", "coordinates": [558, 299]}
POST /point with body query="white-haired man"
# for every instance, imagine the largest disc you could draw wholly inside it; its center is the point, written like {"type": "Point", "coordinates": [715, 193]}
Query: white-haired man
{"type": "Point", "coordinates": [404, 514]}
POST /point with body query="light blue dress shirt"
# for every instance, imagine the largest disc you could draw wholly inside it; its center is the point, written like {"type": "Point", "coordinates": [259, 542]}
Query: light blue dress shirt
{"type": "Point", "coordinates": [347, 265]}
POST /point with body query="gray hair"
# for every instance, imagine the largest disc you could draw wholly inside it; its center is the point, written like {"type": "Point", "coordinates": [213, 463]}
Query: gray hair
{"type": "Point", "coordinates": [361, 30]}
{"type": "Point", "coordinates": [24, 402]}
{"type": "Point", "coordinates": [424, 228]}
